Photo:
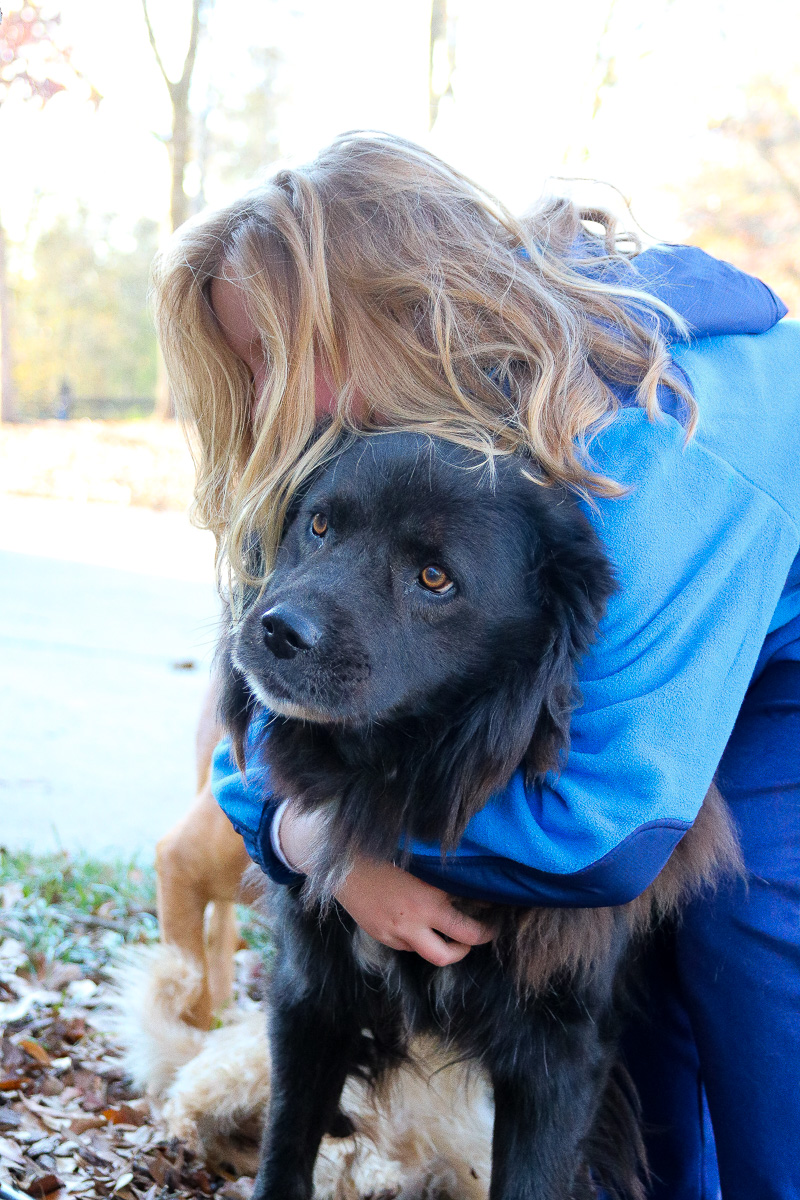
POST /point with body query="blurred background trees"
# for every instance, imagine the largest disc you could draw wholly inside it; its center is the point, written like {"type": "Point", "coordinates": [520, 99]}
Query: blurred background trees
{"type": "Point", "coordinates": [179, 142]}
{"type": "Point", "coordinates": [77, 300]}
{"type": "Point", "coordinates": [81, 317]}
{"type": "Point", "coordinates": [35, 65]}
{"type": "Point", "coordinates": [510, 95]}
{"type": "Point", "coordinates": [745, 206]}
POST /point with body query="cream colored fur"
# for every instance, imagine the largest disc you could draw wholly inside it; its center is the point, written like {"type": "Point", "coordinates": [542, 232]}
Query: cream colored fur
{"type": "Point", "coordinates": [426, 1133]}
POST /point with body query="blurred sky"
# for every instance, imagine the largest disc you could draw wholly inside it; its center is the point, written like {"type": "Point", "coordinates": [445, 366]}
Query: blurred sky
{"type": "Point", "coordinates": [526, 75]}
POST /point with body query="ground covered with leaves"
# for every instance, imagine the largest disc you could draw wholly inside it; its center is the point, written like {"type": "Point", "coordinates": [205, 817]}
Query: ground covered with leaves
{"type": "Point", "coordinates": [70, 1122]}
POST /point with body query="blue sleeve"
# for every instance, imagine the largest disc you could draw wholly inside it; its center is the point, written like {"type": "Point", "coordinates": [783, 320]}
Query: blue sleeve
{"type": "Point", "coordinates": [713, 297]}
{"type": "Point", "coordinates": [702, 544]}
{"type": "Point", "coordinates": [248, 803]}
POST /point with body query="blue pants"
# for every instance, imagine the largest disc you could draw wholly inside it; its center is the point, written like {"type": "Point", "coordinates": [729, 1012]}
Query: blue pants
{"type": "Point", "coordinates": [719, 1033]}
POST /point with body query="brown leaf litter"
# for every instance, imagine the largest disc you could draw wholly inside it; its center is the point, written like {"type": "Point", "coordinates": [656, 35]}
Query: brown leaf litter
{"type": "Point", "coordinates": [71, 1123]}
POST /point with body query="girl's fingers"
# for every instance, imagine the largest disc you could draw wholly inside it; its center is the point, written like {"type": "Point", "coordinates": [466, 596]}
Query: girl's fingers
{"type": "Point", "coordinates": [430, 946]}
{"type": "Point", "coordinates": [461, 928]}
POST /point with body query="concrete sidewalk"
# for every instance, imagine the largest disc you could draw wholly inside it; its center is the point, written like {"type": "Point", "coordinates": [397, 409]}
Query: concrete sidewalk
{"type": "Point", "coordinates": [102, 608]}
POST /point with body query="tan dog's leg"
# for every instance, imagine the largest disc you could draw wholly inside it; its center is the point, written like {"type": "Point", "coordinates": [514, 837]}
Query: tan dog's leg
{"type": "Point", "coordinates": [200, 861]}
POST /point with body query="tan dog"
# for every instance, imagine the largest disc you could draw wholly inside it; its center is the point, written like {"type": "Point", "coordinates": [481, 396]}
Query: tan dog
{"type": "Point", "coordinates": [200, 863]}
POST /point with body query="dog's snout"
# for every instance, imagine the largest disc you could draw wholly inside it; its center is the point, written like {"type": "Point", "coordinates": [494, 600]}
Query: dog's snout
{"type": "Point", "coordinates": [287, 631]}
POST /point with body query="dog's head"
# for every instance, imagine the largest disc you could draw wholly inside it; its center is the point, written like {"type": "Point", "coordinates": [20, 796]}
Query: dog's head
{"type": "Point", "coordinates": [414, 586]}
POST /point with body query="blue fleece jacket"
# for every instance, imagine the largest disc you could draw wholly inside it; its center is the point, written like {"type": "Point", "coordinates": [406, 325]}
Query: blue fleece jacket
{"type": "Point", "coordinates": [705, 545]}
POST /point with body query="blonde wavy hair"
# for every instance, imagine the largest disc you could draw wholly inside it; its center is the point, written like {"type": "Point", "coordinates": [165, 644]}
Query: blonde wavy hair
{"type": "Point", "coordinates": [432, 309]}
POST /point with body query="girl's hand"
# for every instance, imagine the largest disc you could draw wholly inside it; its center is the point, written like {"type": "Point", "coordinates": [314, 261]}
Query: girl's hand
{"type": "Point", "coordinates": [404, 913]}
{"type": "Point", "coordinates": [389, 904]}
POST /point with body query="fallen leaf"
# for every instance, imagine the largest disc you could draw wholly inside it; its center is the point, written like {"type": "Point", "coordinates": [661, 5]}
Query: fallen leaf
{"type": "Point", "coordinates": [157, 1166]}
{"type": "Point", "coordinates": [198, 1180]}
{"type": "Point", "coordinates": [110, 1070]}
{"type": "Point", "coordinates": [51, 1086]}
{"type": "Point", "coordinates": [36, 1051]}
{"type": "Point", "coordinates": [57, 1124]}
{"type": "Point", "coordinates": [82, 1124]}
{"type": "Point", "coordinates": [46, 1112]}
{"type": "Point", "coordinates": [140, 1137]}
{"type": "Point", "coordinates": [124, 1115]}
{"type": "Point", "coordinates": [11, 1150]}
{"type": "Point", "coordinates": [123, 1181]}
{"type": "Point", "coordinates": [92, 1089]}
{"type": "Point", "coordinates": [44, 1145]}
{"type": "Point", "coordinates": [13, 1059]}
{"type": "Point", "coordinates": [43, 1185]}
{"type": "Point", "coordinates": [70, 1030]}
{"type": "Point", "coordinates": [9, 1118]}
{"type": "Point", "coordinates": [94, 1157]}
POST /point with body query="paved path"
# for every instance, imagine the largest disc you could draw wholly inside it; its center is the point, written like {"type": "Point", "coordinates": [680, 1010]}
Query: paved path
{"type": "Point", "coordinates": [99, 605]}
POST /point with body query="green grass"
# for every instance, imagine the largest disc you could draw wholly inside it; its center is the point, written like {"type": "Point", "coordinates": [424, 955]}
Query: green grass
{"type": "Point", "coordinates": [83, 883]}
{"type": "Point", "coordinates": [77, 909]}
{"type": "Point", "coordinates": [74, 909]}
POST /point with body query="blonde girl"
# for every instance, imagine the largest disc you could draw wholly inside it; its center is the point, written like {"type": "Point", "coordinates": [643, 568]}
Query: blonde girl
{"type": "Point", "coordinates": [378, 289]}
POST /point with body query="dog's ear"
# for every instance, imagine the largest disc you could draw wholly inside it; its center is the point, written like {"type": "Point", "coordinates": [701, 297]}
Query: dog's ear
{"type": "Point", "coordinates": [524, 716]}
{"type": "Point", "coordinates": [571, 582]}
{"type": "Point", "coordinates": [235, 701]}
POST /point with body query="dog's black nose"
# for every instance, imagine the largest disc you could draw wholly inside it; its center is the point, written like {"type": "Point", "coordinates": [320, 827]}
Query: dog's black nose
{"type": "Point", "coordinates": [287, 631]}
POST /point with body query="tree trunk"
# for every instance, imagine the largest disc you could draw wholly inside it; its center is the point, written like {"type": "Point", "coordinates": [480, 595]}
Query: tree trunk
{"type": "Point", "coordinates": [7, 405]}
{"type": "Point", "coordinates": [441, 31]}
{"type": "Point", "coordinates": [179, 147]}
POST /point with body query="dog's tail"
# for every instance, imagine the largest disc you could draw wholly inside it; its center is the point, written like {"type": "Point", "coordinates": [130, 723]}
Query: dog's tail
{"type": "Point", "coordinates": [153, 987]}
{"type": "Point", "coordinates": [210, 1087]}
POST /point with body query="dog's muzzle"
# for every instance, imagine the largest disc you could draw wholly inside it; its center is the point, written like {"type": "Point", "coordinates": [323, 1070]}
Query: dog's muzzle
{"type": "Point", "coordinates": [287, 631]}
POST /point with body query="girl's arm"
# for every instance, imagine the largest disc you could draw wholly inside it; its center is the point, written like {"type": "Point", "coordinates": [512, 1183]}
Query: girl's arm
{"type": "Point", "coordinates": [390, 904]}
{"type": "Point", "coordinates": [712, 296]}
{"type": "Point", "coordinates": [703, 544]}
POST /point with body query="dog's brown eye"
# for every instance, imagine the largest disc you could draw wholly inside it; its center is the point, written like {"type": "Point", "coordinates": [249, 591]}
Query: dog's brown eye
{"type": "Point", "coordinates": [435, 580]}
{"type": "Point", "coordinates": [319, 525]}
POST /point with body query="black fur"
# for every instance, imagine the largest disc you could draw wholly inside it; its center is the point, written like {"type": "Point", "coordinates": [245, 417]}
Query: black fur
{"type": "Point", "coordinates": [399, 713]}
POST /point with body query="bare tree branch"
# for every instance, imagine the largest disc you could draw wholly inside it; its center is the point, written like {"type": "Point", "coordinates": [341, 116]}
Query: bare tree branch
{"type": "Point", "coordinates": [179, 143]}
{"type": "Point", "coordinates": [154, 46]}
{"type": "Point", "coordinates": [194, 38]}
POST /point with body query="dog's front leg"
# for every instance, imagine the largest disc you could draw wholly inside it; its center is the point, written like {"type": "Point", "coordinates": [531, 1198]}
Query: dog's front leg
{"type": "Point", "coordinates": [549, 1074]}
{"type": "Point", "coordinates": [312, 1054]}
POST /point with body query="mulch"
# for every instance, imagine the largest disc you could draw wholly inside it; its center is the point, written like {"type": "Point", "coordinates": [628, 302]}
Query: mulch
{"type": "Point", "coordinates": [71, 1124]}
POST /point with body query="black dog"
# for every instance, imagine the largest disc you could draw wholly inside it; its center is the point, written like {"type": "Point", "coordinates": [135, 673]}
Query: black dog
{"type": "Point", "coordinates": [417, 641]}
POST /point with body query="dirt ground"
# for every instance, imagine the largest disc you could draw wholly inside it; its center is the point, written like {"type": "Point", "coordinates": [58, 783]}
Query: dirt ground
{"type": "Point", "coordinates": [143, 463]}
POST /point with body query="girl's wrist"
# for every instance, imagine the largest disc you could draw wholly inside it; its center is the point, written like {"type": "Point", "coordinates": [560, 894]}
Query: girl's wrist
{"type": "Point", "coordinates": [275, 835]}
{"type": "Point", "coordinates": [298, 835]}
